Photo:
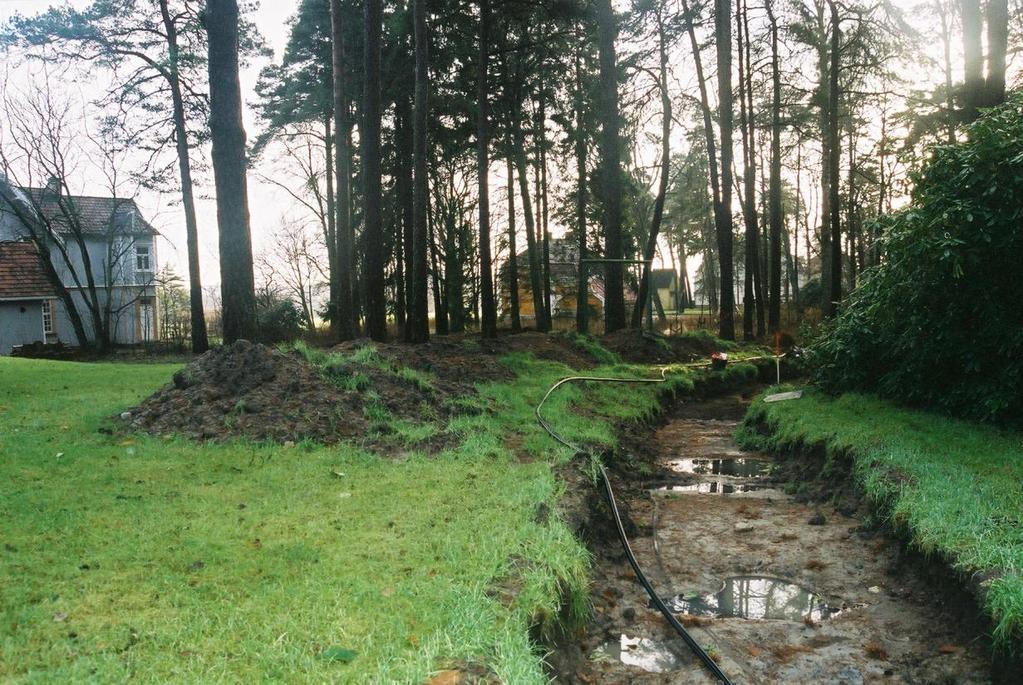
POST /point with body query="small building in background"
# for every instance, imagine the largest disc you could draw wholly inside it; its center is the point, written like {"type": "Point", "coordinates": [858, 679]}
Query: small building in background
{"type": "Point", "coordinates": [667, 288]}
{"type": "Point", "coordinates": [564, 258]}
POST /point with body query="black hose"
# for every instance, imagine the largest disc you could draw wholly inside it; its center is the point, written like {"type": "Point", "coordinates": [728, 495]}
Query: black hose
{"type": "Point", "coordinates": [658, 602]}
{"type": "Point", "coordinates": [710, 664]}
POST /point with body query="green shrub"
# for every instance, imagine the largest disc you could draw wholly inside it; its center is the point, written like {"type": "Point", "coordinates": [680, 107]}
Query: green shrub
{"type": "Point", "coordinates": [280, 321]}
{"type": "Point", "coordinates": [940, 322]}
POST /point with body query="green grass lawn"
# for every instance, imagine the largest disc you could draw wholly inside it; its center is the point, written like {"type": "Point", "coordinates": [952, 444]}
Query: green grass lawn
{"type": "Point", "coordinates": [164, 560]}
{"type": "Point", "coordinates": [954, 486]}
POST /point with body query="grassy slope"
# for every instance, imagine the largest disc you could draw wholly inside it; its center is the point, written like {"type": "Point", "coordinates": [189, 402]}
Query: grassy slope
{"type": "Point", "coordinates": [958, 494]}
{"type": "Point", "coordinates": [164, 560]}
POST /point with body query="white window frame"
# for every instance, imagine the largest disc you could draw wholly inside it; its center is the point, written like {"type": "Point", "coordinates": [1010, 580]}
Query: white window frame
{"type": "Point", "coordinates": [147, 255]}
{"type": "Point", "coordinates": [47, 309]}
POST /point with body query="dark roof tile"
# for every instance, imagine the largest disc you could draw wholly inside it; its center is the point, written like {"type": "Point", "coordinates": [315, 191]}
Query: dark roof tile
{"type": "Point", "coordinates": [96, 215]}
{"type": "Point", "coordinates": [22, 274]}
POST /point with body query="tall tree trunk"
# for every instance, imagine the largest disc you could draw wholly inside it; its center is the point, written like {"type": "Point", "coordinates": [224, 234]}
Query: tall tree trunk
{"type": "Point", "coordinates": [824, 102]}
{"type": "Point", "coordinates": [329, 221]}
{"type": "Point", "coordinates": [710, 273]}
{"type": "Point", "coordinates": [404, 183]}
{"type": "Point", "coordinates": [662, 186]}
{"type": "Point", "coordinates": [946, 42]}
{"type": "Point", "coordinates": [750, 302]}
{"type": "Point", "coordinates": [723, 223]}
{"type": "Point", "coordinates": [489, 314]}
{"type": "Point", "coordinates": [513, 259]}
{"type": "Point", "coordinates": [997, 45]}
{"type": "Point", "coordinates": [200, 338]}
{"type": "Point", "coordinates": [708, 116]}
{"type": "Point", "coordinates": [774, 192]}
{"type": "Point", "coordinates": [792, 283]}
{"type": "Point", "coordinates": [834, 287]}
{"type": "Point", "coordinates": [399, 266]}
{"type": "Point", "coordinates": [761, 246]}
{"type": "Point", "coordinates": [369, 137]}
{"type": "Point", "coordinates": [610, 159]}
{"type": "Point", "coordinates": [720, 216]}
{"type": "Point", "coordinates": [440, 298]}
{"type": "Point", "coordinates": [851, 224]}
{"type": "Point", "coordinates": [538, 223]}
{"type": "Point", "coordinates": [796, 210]}
{"type": "Point", "coordinates": [419, 328]}
{"type": "Point", "coordinates": [238, 296]}
{"type": "Point", "coordinates": [535, 277]}
{"type": "Point", "coordinates": [973, 58]}
{"type": "Point", "coordinates": [453, 276]}
{"type": "Point", "coordinates": [582, 302]}
{"type": "Point", "coordinates": [541, 200]}
{"type": "Point", "coordinates": [343, 314]}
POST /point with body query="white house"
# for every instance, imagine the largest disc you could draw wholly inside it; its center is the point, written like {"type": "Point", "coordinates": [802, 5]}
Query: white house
{"type": "Point", "coordinates": [121, 249]}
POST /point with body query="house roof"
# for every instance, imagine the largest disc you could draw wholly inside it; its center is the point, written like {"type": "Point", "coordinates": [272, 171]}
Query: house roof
{"type": "Point", "coordinates": [663, 278]}
{"type": "Point", "coordinates": [95, 215]}
{"type": "Point", "coordinates": [22, 274]}
{"type": "Point", "coordinates": [564, 254]}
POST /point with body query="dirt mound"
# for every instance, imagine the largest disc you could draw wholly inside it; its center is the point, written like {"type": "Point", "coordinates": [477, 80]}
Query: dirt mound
{"type": "Point", "coordinates": [353, 390]}
{"type": "Point", "coordinates": [637, 347]}
{"type": "Point", "coordinates": [247, 390]}
{"type": "Point", "coordinates": [547, 346]}
{"type": "Point", "coordinates": [460, 361]}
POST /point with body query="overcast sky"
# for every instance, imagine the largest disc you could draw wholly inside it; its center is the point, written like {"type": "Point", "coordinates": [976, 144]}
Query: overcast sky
{"type": "Point", "coordinates": [266, 202]}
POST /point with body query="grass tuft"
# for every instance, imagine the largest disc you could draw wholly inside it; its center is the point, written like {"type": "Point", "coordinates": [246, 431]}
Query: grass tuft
{"type": "Point", "coordinates": [168, 560]}
{"type": "Point", "coordinates": [953, 486]}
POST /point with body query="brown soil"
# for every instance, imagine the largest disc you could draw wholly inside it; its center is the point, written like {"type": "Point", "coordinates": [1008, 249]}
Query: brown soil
{"type": "Point", "coordinates": [248, 390]}
{"type": "Point", "coordinates": [636, 347]}
{"type": "Point", "coordinates": [461, 361]}
{"type": "Point", "coordinates": [894, 623]}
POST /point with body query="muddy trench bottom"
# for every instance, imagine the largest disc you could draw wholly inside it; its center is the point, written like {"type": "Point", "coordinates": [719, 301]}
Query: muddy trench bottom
{"type": "Point", "coordinates": [776, 590]}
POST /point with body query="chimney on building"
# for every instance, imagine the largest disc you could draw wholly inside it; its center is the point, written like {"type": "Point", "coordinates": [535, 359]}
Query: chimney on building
{"type": "Point", "coordinates": [52, 188]}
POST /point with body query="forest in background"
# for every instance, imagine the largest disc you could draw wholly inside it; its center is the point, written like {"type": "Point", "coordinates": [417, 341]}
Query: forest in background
{"type": "Point", "coordinates": [430, 146]}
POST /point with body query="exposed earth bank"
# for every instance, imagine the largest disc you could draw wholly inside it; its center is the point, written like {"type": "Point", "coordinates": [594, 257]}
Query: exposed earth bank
{"type": "Point", "coordinates": [777, 587]}
{"type": "Point", "coordinates": [354, 390]}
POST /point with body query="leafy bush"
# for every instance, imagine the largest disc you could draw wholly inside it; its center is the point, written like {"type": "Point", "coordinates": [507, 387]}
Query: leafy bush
{"type": "Point", "coordinates": [279, 322]}
{"type": "Point", "coordinates": [940, 321]}
{"type": "Point", "coordinates": [811, 294]}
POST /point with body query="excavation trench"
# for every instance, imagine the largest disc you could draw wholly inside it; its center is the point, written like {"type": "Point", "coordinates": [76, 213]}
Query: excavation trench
{"type": "Point", "coordinates": [775, 589]}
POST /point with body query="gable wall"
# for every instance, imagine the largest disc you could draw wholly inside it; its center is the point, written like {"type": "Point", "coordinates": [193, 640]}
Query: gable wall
{"type": "Point", "coordinates": [18, 327]}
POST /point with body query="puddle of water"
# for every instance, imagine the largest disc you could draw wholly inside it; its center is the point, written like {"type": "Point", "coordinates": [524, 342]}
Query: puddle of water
{"type": "Point", "coordinates": [737, 467]}
{"type": "Point", "coordinates": [712, 488]}
{"type": "Point", "coordinates": [755, 597]}
{"type": "Point", "coordinates": [641, 652]}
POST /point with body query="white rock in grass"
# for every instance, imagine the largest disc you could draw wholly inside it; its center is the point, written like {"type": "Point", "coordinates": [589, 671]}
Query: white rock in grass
{"type": "Point", "coordinates": [783, 396]}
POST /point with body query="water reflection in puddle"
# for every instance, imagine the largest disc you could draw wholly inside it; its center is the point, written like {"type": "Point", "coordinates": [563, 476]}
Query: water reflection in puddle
{"type": "Point", "coordinates": [738, 467]}
{"type": "Point", "coordinates": [712, 488]}
{"type": "Point", "coordinates": [755, 597]}
{"type": "Point", "coordinates": [641, 652]}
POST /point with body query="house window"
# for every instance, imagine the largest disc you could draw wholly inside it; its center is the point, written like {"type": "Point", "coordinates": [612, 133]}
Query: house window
{"type": "Point", "coordinates": [47, 318]}
{"type": "Point", "coordinates": [143, 258]}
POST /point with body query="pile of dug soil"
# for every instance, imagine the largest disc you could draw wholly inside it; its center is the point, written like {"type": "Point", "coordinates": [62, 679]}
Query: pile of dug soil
{"type": "Point", "coordinates": [637, 347]}
{"type": "Point", "coordinates": [459, 362]}
{"type": "Point", "coordinates": [249, 390]}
